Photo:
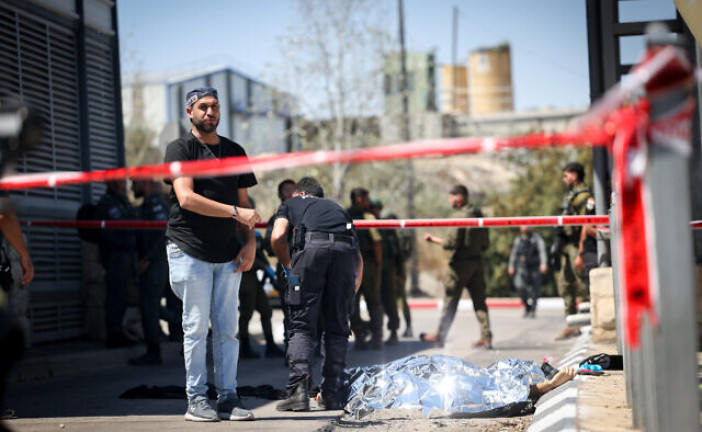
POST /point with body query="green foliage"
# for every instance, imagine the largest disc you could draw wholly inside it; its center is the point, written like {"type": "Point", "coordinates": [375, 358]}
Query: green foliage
{"type": "Point", "coordinates": [137, 147]}
{"type": "Point", "coordinates": [538, 190]}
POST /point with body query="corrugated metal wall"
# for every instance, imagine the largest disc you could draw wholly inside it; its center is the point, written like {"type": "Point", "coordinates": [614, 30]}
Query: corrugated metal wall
{"type": "Point", "coordinates": [42, 61]}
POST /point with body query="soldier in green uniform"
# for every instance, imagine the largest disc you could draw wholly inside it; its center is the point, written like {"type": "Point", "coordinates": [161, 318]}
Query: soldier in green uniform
{"type": "Point", "coordinates": [253, 297]}
{"type": "Point", "coordinates": [388, 284]}
{"type": "Point", "coordinates": [465, 270]}
{"type": "Point", "coordinates": [372, 252]}
{"type": "Point", "coordinates": [404, 253]}
{"type": "Point", "coordinates": [575, 250]}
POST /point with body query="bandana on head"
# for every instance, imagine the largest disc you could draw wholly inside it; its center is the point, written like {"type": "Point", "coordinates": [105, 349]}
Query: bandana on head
{"type": "Point", "coordinates": [199, 93]}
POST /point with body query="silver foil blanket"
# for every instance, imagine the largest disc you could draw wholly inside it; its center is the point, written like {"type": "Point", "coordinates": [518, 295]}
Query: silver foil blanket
{"type": "Point", "coordinates": [440, 383]}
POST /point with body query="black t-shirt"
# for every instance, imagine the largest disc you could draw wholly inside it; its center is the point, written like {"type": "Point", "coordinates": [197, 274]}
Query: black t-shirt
{"type": "Point", "coordinates": [318, 214]}
{"type": "Point", "coordinates": [206, 238]}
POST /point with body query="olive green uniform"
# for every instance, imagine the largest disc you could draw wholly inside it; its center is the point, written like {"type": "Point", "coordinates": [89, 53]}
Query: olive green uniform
{"type": "Point", "coordinates": [370, 285]}
{"type": "Point", "coordinates": [253, 297]}
{"type": "Point", "coordinates": [389, 281]}
{"type": "Point", "coordinates": [465, 270]}
{"type": "Point", "coordinates": [579, 201]}
{"type": "Point", "coordinates": [405, 250]}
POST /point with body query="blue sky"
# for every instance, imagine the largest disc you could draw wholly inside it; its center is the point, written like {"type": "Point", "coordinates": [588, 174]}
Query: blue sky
{"type": "Point", "coordinates": [548, 37]}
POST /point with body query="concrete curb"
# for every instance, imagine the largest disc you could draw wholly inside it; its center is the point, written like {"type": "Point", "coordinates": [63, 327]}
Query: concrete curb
{"type": "Point", "coordinates": [466, 304]}
{"type": "Point", "coordinates": [557, 410]}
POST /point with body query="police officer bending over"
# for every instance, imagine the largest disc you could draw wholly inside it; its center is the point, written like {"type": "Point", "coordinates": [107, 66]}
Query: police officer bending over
{"type": "Point", "coordinates": [323, 276]}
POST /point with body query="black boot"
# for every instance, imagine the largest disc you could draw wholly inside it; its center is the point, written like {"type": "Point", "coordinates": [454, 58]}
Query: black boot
{"type": "Point", "coordinates": [298, 400]}
{"type": "Point", "coordinates": [245, 350]}
{"type": "Point", "coordinates": [376, 342]}
{"type": "Point", "coordinates": [393, 339]}
{"type": "Point", "coordinates": [330, 404]}
{"type": "Point", "coordinates": [333, 394]}
{"type": "Point", "coordinates": [272, 350]}
{"type": "Point", "coordinates": [360, 343]}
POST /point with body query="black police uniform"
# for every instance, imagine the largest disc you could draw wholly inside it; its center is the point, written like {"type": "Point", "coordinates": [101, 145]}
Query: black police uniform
{"type": "Point", "coordinates": [151, 246]}
{"type": "Point", "coordinates": [321, 282]}
{"type": "Point", "coordinates": [117, 256]}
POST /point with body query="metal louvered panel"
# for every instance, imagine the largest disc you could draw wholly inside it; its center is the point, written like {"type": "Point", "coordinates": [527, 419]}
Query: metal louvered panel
{"type": "Point", "coordinates": [56, 255]}
{"type": "Point", "coordinates": [41, 67]}
{"type": "Point", "coordinates": [102, 117]}
{"type": "Point", "coordinates": [39, 63]}
{"type": "Point", "coordinates": [51, 321]}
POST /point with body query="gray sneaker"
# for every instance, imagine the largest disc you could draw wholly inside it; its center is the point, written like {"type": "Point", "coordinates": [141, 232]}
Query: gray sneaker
{"type": "Point", "coordinates": [199, 410]}
{"type": "Point", "coordinates": [233, 409]}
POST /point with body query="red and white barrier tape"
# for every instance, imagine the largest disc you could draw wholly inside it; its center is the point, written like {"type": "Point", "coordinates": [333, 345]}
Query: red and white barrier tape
{"type": "Point", "coordinates": [238, 165]}
{"type": "Point", "coordinates": [495, 222]}
{"type": "Point", "coordinates": [503, 222]}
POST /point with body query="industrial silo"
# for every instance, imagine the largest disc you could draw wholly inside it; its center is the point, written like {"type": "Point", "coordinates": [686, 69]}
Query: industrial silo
{"type": "Point", "coordinates": [490, 80]}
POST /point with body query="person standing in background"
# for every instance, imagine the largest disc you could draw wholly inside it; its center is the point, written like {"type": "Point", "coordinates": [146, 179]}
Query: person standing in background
{"type": "Point", "coordinates": [575, 250]}
{"type": "Point", "coordinates": [117, 247]}
{"type": "Point", "coordinates": [388, 284]}
{"type": "Point", "coordinates": [404, 253]}
{"type": "Point", "coordinates": [465, 270]}
{"type": "Point", "coordinates": [253, 297]}
{"type": "Point", "coordinates": [372, 252]}
{"type": "Point", "coordinates": [528, 261]}
{"type": "Point", "coordinates": [152, 269]}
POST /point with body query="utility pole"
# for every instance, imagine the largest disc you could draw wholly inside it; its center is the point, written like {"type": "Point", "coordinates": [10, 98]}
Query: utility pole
{"type": "Point", "coordinates": [454, 61]}
{"type": "Point", "coordinates": [409, 168]}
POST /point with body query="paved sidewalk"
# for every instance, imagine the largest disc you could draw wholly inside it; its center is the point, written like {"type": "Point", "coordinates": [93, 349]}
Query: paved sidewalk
{"type": "Point", "coordinates": [77, 384]}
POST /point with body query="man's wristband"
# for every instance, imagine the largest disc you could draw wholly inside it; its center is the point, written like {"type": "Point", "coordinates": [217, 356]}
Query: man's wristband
{"type": "Point", "coordinates": [236, 212]}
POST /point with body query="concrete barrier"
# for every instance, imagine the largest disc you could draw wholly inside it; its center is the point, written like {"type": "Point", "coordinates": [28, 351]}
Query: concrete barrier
{"type": "Point", "coordinates": [602, 307]}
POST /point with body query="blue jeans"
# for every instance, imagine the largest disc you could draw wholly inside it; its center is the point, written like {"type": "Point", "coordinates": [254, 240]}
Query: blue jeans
{"type": "Point", "coordinates": [208, 291]}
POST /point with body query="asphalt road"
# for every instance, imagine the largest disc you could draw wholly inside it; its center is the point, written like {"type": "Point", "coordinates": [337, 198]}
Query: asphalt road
{"type": "Point", "coordinates": [87, 398]}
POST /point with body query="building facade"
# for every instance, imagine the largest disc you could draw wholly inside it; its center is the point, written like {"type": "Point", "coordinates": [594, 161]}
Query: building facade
{"type": "Point", "coordinates": [252, 113]}
{"type": "Point", "coordinates": [62, 58]}
{"type": "Point", "coordinates": [421, 83]}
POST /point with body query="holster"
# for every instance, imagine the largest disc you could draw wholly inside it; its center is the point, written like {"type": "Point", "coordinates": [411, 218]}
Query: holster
{"type": "Point", "coordinates": [298, 238]}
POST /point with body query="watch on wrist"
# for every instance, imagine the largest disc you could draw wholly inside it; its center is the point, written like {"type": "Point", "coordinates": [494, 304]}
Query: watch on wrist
{"type": "Point", "coordinates": [236, 212]}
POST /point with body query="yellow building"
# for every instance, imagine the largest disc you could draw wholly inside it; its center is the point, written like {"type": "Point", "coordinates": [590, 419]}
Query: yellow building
{"type": "Point", "coordinates": [490, 81]}
{"type": "Point", "coordinates": [454, 93]}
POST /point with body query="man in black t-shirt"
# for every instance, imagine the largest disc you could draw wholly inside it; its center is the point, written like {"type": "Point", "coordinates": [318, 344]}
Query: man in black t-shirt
{"type": "Point", "coordinates": [206, 260]}
{"type": "Point", "coordinates": [323, 275]}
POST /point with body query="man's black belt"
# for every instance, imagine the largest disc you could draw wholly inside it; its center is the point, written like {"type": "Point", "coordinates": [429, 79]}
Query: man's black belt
{"type": "Point", "coordinates": [319, 235]}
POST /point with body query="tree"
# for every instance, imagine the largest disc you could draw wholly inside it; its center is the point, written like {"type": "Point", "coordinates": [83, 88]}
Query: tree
{"type": "Point", "coordinates": [337, 48]}
{"type": "Point", "coordinates": [138, 137]}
